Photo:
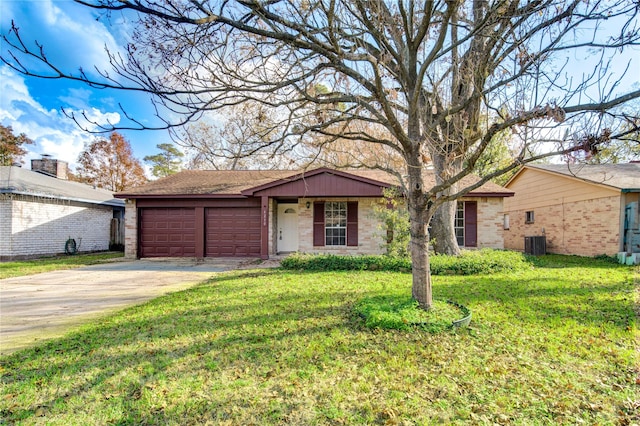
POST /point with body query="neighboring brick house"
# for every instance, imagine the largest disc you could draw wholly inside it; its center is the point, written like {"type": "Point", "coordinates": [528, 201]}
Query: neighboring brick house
{"type": "Point", "coordinates": [580, 209]}
{"type": "Point", "coordinates": [254, 213]}
{"type": "Point", "coordinates": [41, 211]}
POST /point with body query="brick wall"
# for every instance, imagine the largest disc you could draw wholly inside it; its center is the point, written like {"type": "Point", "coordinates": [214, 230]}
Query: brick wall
{"type": "Point", "coordinates": [40, 226]}
{"type": "Point", "coordinates": [130, 230]}
{"type": "Point", "coordinates": [490, 222]}
{"type": "Point", "coordinates": [5, 225]}
{"type": "Point", "coordinates": [585, 228]}
{"type": "Point", "coordinates": [369, 232]}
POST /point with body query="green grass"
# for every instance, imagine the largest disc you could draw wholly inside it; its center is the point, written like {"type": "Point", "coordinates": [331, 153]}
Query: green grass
{"type": "Point", "coordinates": [47, 264]}
{"type": "Point", "coordinates": [552, 344]}
{"type": "Point", "coordinates": [402, 313]}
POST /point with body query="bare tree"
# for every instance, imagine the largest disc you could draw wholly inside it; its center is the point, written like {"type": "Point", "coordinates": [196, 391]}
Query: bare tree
{"type": "Point", "coordinates": [244, 137]}
{"type": "Point", "coordinates": [441, 78]}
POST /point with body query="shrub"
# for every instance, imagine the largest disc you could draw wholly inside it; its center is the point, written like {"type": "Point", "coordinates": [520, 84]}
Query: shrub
{"type": "Point", "coordinates": [483, 261]}
{"type": "Point", "coordinates": [332, 262]}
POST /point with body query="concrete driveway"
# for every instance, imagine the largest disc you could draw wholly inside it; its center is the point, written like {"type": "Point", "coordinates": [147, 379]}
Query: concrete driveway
{"type": "Point", "coordinates": [43, 306]}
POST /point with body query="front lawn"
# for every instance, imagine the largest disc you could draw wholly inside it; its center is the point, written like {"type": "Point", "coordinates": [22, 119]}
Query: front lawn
{"type": "Point", "coordinates": [47, 264]}
{"type": "Point", "coordinates": [551, 344]}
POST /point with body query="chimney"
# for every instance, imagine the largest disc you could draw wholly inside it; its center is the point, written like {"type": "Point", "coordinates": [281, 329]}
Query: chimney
{"type": "Point", "coordinates": [50, 167]}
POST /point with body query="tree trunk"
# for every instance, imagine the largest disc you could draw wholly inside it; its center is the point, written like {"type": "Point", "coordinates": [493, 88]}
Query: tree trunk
{"type": "Point", "coordinates": [443, 230]}
{"type": "Point", "coordinates": [419, 216]}
{"type": "Point", "coordinates": [442, 227]}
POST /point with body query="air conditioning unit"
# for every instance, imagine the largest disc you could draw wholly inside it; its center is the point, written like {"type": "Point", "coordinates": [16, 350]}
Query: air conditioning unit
{"type": "Point", "coordinates": [535, 245]}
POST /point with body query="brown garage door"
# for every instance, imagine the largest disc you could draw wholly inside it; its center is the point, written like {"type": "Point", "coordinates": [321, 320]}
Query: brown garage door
{"type": "Point", "coordinates": [167, 232]}
{"type": "Point", "coordinates": [233, 232]}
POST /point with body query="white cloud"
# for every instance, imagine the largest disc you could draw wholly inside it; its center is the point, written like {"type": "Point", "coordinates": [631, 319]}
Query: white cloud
{"type": "Point", "coordinates": [54, 133]}
{"type": "Point", "coordinates": [14, 93]}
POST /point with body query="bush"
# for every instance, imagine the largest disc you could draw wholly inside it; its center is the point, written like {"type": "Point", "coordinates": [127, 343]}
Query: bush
{"type": "Point", "coordinates": [332, 262]}
{"type": "Point", "coordinates": [483, 261]}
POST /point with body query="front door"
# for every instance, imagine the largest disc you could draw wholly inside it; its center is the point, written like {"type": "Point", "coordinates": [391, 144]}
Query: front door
{"type": "Point", "coordinates": [287, 228]}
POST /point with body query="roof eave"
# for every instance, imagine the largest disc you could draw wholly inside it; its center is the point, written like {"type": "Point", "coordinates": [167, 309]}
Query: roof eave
{"type": "Point", "coordinates": [176, 196]}
{"type": "Point", "coordinates": [491, 194]}
{"type": "Point", "coordinates": [57, 197]}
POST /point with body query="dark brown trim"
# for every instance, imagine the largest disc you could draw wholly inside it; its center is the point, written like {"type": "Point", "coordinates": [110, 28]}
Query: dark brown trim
{"type": "Point", "coordinates": [490, 194]}
{"type": "Point", "coordinates": [200, 233]}
{"type": "Point", "coordinates": [179, 196]}
{"type": "Point", "coordinates": [210, 203]}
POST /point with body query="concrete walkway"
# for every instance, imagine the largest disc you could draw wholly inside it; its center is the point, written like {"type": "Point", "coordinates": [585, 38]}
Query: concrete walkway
{"type": "Point", "coordinates": [43, 306]}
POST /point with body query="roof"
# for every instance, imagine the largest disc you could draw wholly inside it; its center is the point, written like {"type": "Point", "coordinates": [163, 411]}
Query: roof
{"type": "Point", "coordinates": [233, 183]}
{"type": "Point", "coordinates": [16, 180]}
{"type": "Point", "coordinates": [624, 177]}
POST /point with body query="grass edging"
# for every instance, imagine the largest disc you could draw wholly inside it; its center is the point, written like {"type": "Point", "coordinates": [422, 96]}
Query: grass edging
{"type": "Point", "coordinates": [462, 322]}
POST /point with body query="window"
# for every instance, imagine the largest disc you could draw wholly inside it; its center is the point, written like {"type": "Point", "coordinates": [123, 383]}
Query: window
{"type": "Point", "coordinates": [465, 225]}
{"type": "Point", "coordinates": [335, 223]}
{"type": "Point", "coordinates": [458, 224]}
{"type": "Point", "coordinates": [528, 217]}
{"type": "Point", "coordinates": [505, 222]}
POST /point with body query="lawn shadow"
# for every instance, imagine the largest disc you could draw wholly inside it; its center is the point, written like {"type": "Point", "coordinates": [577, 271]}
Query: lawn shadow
{"type": "Point", "coordinates": [539, 299]}
{"type": "Point", "coordinates": [217, 323]}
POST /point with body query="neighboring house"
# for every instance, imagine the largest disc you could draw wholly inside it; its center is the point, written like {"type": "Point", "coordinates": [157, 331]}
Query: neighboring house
{"type": "Point", "coordinates": [41, 211]}
{"type": "Point", "coordinates": [252, 213]}
{"type": "Point", "coordinates": [580, 209]}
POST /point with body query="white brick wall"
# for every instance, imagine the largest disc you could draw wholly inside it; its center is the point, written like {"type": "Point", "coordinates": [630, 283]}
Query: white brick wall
{"type": "Point", "coordinates": [5, 225]}
{"type": "Point", "coordinates": [41, 226]}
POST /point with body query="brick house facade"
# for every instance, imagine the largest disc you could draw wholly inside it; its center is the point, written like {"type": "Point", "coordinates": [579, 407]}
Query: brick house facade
{"type": "Point", "coordinates": [264, 213]}
{"type": "Point", "coordinates": [579, 209]}
{"type": "Point", "coordinates": [39, 213]}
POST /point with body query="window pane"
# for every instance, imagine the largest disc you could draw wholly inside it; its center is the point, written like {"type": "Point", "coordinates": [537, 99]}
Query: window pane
{"type": "Point", "coordinates": [335, 223]}
{"type": "Point", "coordinates": [459, 224]}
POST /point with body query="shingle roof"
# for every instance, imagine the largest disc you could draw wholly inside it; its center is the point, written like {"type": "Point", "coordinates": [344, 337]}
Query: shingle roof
{"type": "Point", "coordinates": [233, 182]}
{"type": "Point", "coordinates": [16, 180]}
{"type": "Point", "coordinates": [214, 182]}
{"type": "Point", "coordinates": [624, 176]}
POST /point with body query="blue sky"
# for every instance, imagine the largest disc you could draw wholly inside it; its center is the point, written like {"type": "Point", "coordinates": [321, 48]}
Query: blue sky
{"type": "Point", "coordinates": [73, 37]}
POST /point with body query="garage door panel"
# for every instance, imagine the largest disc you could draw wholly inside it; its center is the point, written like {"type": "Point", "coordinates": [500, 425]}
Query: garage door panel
{"type": "Point", "coordinates": [167, 232]}
{"type": "Point", "coordinates": [233, 232]}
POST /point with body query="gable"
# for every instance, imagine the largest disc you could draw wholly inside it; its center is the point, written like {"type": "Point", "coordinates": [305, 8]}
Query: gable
{"type": "Point", "coordinates": [535, 187]}
{"type": "Point", "coordinates": [321, 183]}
